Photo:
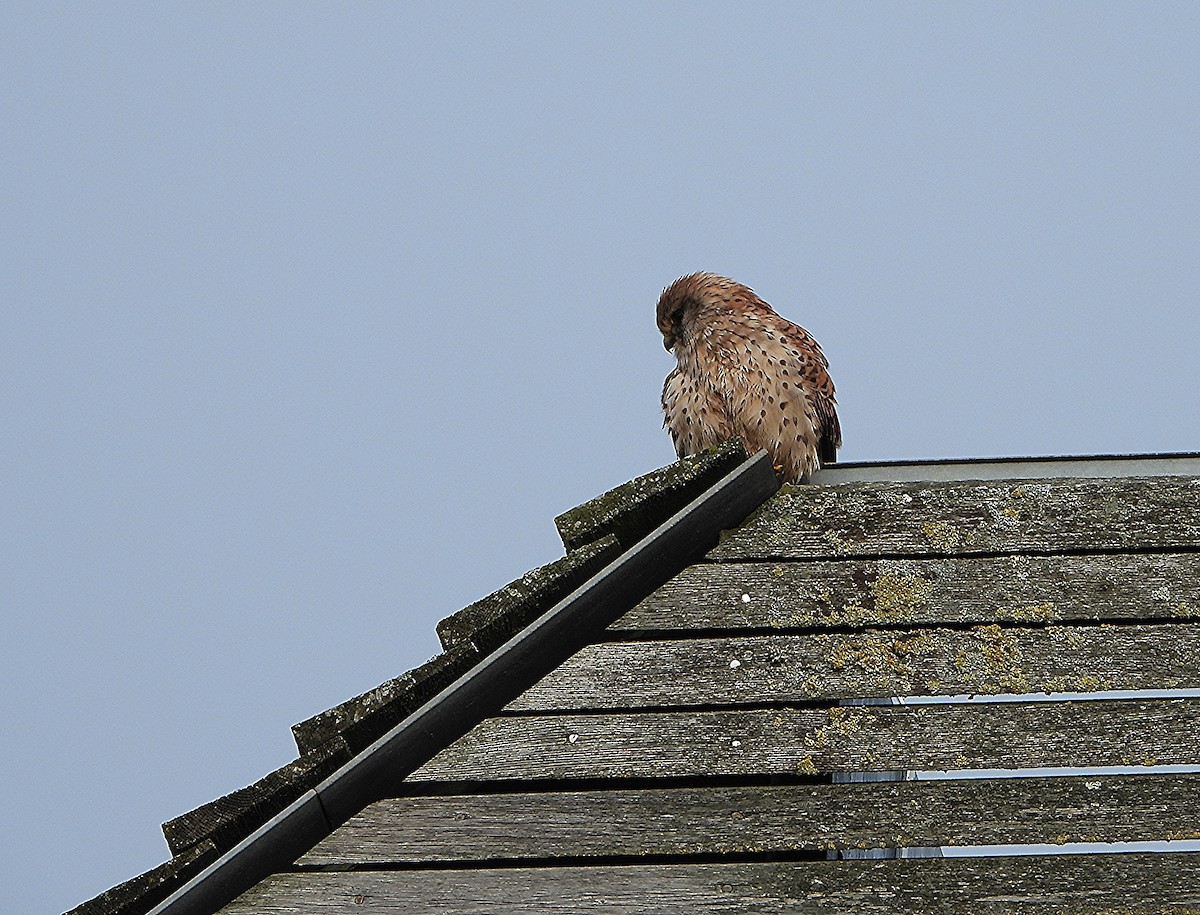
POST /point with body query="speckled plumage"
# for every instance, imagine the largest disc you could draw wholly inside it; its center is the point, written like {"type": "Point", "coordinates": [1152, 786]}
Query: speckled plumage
{"type": "Point", "coordinates": [744, 371]}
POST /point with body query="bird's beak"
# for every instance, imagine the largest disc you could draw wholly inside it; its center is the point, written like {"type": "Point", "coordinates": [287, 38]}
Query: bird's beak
{"type": "Point", "coordinates": [668, 342]}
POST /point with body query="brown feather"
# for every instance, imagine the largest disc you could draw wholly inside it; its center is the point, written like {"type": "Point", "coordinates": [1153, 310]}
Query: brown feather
{"type": "Point", "coordinates": [742, 370]}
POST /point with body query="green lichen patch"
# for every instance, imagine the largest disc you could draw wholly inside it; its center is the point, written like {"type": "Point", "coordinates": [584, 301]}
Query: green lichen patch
{"type": "Point", "coordinates": [841, 545]}
{"type": "Point", "coordinates": [969, 517]}
{"type": "Point", "coordinates": [991, 663]}
{"type": "Point", "coordinates": [892, 592]}
{"type": "Point", "coordinates": [1074, 638]}
{"type": "Point", "coordinates": [1146, 760]}
{"type": "Point", "coordinates": [842, 721]}
{"type": "Point", "coordinates": [1017, 507]}
{"type": "Point", "coordinates": [1086, 683]}
{"type": "Point", "coordinates": [1044, 612]}
{"type": "Point", "coordinates": [942, 536]}
{"type": "Point", "coordinates": [898, 593]}
{"type": "Point", "coordinates": [806, 766]}
{"type": "Point", "coordinates": [887, 663]}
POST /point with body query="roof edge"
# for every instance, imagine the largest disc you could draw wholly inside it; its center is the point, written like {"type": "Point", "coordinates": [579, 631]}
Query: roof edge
{"type": "Point", "coordinates": [631, 510]}
{"type": "Point", "coordinates": [481, 690]}
{"type": "Point", "coordinates": [327, 740]}
{"type": "Point", "coordinates": [1011, 468]}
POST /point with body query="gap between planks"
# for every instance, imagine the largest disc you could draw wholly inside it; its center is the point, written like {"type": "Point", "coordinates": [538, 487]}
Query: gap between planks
{"type": "Point", "coordinates": [563, 826]}
{"type": "Point", "coordinates": [1021, 885]}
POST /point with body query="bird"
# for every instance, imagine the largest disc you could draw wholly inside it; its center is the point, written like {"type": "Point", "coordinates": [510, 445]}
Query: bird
{"type": "Point", "coordinates": [743, 371]}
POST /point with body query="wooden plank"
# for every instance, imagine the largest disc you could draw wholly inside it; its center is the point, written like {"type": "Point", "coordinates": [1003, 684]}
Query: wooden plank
{"type": "Point", "coordinates": [722, 819]}
{"type": "Point", "coordinates": [1027, 885]}
{"type": "Point", "coordinates": [983, 660]}
{"type": "Point", "coordinates": [858, 593]}
{"type": "Point", "coordinates": [880, 519]}
{"type": "Point", "coordinates": [1003, 735]}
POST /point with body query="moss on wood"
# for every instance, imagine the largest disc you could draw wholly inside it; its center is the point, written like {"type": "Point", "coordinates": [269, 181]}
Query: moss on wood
{"type": "Point", "coordinates": [859, 593]}
{"type": "Point", "coordinates": [864, 519]}
{"type": "Point", "coordinates": [633, 509]}
{"type": "Point", "coordinates": [488, 622]}
{"type": "Point", "coordinates": [140, 894]}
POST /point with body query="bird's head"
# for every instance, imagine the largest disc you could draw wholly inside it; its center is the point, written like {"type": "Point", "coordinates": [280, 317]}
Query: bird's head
{"type": "Point", "coordinates": [687, 301]}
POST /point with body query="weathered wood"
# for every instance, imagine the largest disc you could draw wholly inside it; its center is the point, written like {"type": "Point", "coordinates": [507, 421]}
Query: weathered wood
{"type": "Point", "coordinates": [984, 660]}
{"type": "Point", "coordinates": [721, 820]}
{"type": "Point", "coordinates": [143, 892]}
{"type": "Point", "coordinates": [899, 592]}
{"type": "Point", "coordinates": [865, 519]}
{"type": "Point", "coordinates": [842, 739]}
{"type": "Point", "coordinates": [1028, 885]}
{"type": "Point", "coordinates": [633, 509]}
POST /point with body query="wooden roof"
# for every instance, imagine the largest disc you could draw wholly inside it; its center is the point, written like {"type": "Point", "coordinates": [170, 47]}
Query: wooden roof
{"type": "Point", "coordinates": [665, 722]}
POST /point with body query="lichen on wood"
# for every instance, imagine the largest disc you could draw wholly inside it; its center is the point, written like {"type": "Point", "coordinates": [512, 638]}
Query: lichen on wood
{"type": "Point", "coordinates": [864, 519]}
{"type": "Point", "coordinates": [817, 594]}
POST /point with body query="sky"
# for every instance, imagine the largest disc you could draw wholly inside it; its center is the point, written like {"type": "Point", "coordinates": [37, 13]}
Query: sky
{"type": "Point", "coordinates": [313, 316]}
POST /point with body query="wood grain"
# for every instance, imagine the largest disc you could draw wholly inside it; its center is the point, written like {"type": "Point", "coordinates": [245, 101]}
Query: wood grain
{"type": "Point", "coordinates": [881, 519]}
{"type": "Point", "coordinates": [842, 739]}
{"type": "Point", "coordinates": [723, 819]}
{"type": "Point", "coordinates": [1029, 885]}
{"type": "Point", "coordinates": [860, 593]}
{"type": "Point", "coordinates": [985, 660]}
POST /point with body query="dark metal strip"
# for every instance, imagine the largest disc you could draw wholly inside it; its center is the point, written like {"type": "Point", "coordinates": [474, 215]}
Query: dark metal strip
{"type": "Point", "coordinates": [481, 691]}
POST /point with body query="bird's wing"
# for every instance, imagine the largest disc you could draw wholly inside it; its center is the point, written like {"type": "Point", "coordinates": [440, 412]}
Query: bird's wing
{"type": "Point", "coordinates": [814, 368]}
{"type": "Point", "coordinates": [784, 399]}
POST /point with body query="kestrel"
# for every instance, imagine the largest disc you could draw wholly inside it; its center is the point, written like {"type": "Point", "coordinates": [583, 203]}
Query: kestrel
{"type": "Point", "coordinates": [744, 371]}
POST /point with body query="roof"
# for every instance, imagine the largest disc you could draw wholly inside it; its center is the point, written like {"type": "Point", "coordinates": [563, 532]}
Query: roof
{"type": "Point", "coordinates": [674, 718]}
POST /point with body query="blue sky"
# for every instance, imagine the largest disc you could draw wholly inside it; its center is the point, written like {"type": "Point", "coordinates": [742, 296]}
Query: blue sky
{"type": "Point", "coordinates": [315, 315]}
